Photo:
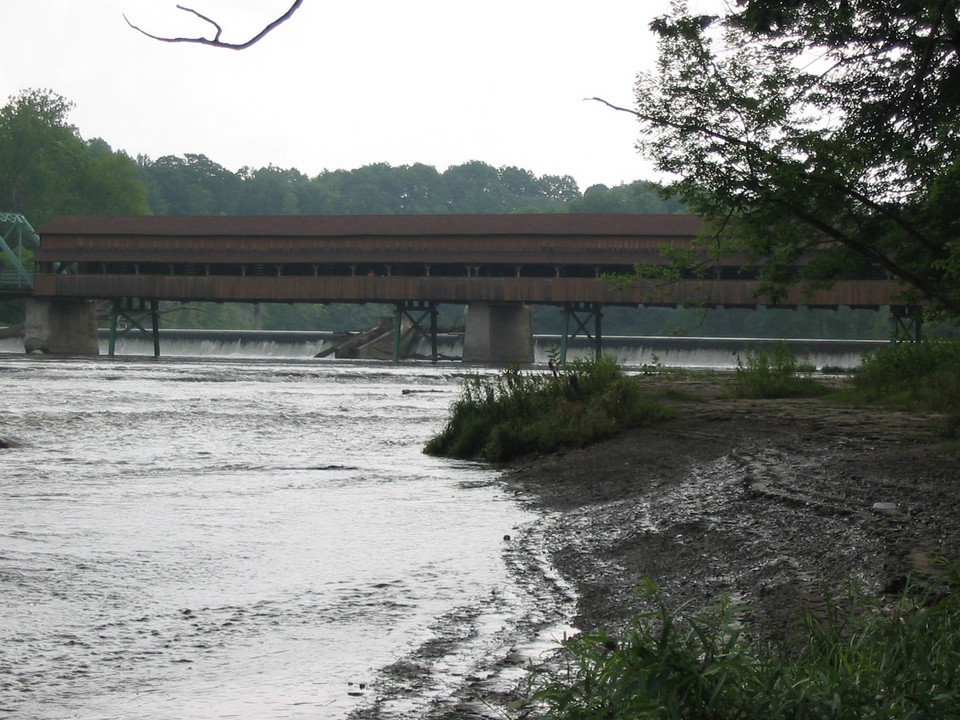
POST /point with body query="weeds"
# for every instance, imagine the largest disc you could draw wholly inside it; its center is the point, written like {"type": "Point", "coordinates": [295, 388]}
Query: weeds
{"type": "Point", "coordinates": [775, 373]}
{"type": "Point", "coordinates": [915, 376]}
{"type": "Point", "coordinates": [516, 413]}
{"type": "Point", "coordinates": [868, 661]}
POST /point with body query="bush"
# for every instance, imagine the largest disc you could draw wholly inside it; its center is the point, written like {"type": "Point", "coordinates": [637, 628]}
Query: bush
{"type": "Point", "coordinates": [497, 419]}
{"type": "Point", "coordinates": [868, 661]}
{"type": "Point", "coordinates": [775, 373]}
{"type": "Point", "coordinates": [919, 376]}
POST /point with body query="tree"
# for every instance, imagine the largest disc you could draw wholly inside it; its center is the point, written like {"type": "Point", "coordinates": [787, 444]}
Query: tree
{"type": "Point", "coordinates": [191, 185]}
{"type": "Point", "coordinates": [817, 135]}
{"type": "Point", "coordinates": [474, 187]}
{"type": "Point", "coordinates": [270, 191]}
{"type": "Point", "coordinates": [37, 148]}
{"type": "Point", "coordinates": [46, 168]}
{"type": "Point", "coordinates": [109, 183]}
{"type": "Point", "coordinates": [638, 197]}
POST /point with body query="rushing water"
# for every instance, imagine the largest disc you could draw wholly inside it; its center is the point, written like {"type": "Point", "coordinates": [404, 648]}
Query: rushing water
{"type": "Point", "coordinates": [690, 352]}
{"type": "Point", "coordinates": [247, 539]}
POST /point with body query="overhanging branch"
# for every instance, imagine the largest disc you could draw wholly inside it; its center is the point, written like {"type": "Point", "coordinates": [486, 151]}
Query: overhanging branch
{"type": "Point", "coordinates": [216, 41]}
{"type": "Point", "coordinates": [732, 140]}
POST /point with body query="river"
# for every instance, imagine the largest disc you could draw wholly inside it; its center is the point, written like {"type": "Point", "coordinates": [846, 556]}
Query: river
{"type": "Point", "coordinates": [223, 538]}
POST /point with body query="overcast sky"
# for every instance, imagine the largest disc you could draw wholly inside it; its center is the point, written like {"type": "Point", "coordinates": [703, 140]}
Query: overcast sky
{"type": "Point", "coordinates": [348, 83]}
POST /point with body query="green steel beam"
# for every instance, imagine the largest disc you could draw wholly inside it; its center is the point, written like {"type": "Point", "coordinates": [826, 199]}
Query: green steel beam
{"type": "Point", "coordinates": [907, 323]}
{"type": "Point", "coordinates": [124, 307]}
{"type": "Point", "coordinates": [416, 312]}
{"type": "Point", "coordinates": [582, 314]}
{"type": "Point", "coordinates": [19, 227]}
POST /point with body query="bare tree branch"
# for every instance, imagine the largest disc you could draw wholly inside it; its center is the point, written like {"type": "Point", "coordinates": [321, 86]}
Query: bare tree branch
{"type": "Point", "coordinates": [215, 41]}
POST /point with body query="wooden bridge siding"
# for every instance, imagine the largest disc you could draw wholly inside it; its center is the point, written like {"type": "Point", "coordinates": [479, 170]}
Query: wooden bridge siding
{"type": "Point", "coordinates": [528, 250]}
{"type": "Point", "coordinates": [329, 289]}
{"type": "Point", "coordinates": [534, 240]}
{"type": "Point", "coordinates": [316, 226]}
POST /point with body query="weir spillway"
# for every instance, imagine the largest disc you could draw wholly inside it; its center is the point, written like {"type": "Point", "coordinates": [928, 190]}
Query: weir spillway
{"type": "Point", "coordinates": [631, 351]}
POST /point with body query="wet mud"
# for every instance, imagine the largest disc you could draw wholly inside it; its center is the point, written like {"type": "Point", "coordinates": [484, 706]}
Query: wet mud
{"type": "Point", "coordinates": [775, 504]}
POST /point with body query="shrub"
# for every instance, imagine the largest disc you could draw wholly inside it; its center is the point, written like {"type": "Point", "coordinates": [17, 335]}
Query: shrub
{"type": "Point", "coordinates": [500, 418]}
{"type": "Point", "coordinates": [921, 376]}
{"type": "Point", "coordinates": [868, 661]}
{"type": "Point", "coordinates": [775, 373]}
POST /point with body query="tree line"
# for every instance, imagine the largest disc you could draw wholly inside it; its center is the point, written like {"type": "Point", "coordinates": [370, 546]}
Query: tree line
{"type": "Point", "coordinates": [196, 185]}
{"type": "Point", "coordinates": [47, 168]}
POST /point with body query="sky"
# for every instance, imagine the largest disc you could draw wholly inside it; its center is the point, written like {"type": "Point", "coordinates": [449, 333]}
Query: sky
{"type": "Point", "coordinates": [344, 84]}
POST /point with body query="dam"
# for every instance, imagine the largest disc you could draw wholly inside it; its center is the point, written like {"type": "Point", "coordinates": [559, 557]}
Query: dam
{"type": "Point", "coordinates": [631, 351]}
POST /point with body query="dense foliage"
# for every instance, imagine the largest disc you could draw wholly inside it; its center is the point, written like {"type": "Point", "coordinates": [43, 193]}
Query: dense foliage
{"type": "Point", "coordinates": [818, 133]}
{"type": "Point", "coordinates": [865, 660]}
{"type": "Point", "coordinates": [916, 376]}
{"type": "Point", "coordinates": [196, 185]}
{"type": "Point", "coordinates": [515, 413]}
{"type": "Point", "coordinates": [46, 168]}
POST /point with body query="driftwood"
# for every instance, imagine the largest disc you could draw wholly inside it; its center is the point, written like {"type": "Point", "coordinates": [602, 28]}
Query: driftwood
{"type": "Point", "coordinates": [373, 344]}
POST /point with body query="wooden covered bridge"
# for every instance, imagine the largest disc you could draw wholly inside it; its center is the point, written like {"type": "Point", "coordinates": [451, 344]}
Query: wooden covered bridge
{"type": "Point", "coordinates": [497, 265]}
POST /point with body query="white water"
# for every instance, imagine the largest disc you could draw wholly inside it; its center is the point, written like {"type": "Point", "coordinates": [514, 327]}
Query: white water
{"type": "Point", "coordinates": [690, 352]}
{"type": "Point", "coordinates": [221, 539]}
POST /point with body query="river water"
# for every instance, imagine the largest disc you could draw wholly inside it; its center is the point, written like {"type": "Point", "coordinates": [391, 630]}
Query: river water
{"type": "Point", "coordinates": [216, 538]}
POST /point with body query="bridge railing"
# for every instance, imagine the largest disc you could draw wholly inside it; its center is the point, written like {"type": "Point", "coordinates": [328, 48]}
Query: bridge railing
{"type": "Point", "coordinates": [14, 280]}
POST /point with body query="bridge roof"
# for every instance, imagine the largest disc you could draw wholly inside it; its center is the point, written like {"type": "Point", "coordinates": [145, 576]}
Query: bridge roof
{"type": "Point", "coordinates": [374, 225]}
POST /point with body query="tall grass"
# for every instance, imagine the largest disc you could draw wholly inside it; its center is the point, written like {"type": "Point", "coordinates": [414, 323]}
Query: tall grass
{"type": "Point", "coordinates": [919, 376]}
{"type": "Point", "coordinates": [516, 413]}
{"type": "Point", "coordinates": [865, 662]}
{"type": "Point", "coordinates": [774, 373]}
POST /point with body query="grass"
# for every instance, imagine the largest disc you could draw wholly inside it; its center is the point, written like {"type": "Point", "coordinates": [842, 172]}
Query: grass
{"type": "Point", "coordinates": [923, 377]}
{"type": "Point", "coordinates": [865, 660]}
{"type": "Point", "coordinates": [516, 413]}
{"type": "Point", "coordinates": [775, 373]}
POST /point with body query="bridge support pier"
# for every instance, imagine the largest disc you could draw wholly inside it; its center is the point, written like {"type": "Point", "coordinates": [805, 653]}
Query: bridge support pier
{"type": "Point", "coordinates": [582, 314]}
{"type": "Point", "coordinates": [498, 333]}
{"type": "Point", "coordinates": [907, 323]}
{"type": "Point", "coordinates": [132, 310]}
{"type": "Point", "coordinates": [415, 314]}
{"type": "Point", "coordinates": [61, 327]}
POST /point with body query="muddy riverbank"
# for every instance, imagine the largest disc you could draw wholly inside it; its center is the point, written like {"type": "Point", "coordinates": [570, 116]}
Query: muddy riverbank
{"type": "Point", "coordinates": [770, 502]}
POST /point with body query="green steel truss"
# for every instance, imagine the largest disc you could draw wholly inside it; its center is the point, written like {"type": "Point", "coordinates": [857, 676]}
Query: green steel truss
{"type": "Point", "coordinates": [582, 315]}
{"type": "Point", "coordinates": [132, 311]}
{"type": "Point", "coordinates": [421, 319]}
{"type": "Point", "coordinates": [17, 237]}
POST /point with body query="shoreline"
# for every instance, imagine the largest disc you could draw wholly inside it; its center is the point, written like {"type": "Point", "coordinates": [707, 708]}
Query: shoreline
{"type": "Point", "coordinates": [774, 504]}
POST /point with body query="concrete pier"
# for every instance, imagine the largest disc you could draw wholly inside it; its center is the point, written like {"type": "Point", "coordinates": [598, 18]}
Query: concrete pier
{"type": "Point", "coordinates": [498, 333]}
{"type": "Point", "coordinates": [61, 327]}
